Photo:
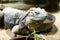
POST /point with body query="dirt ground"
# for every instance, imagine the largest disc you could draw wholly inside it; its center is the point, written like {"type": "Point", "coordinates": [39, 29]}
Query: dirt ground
{"type": "Point", "coordinates": [53, 35]}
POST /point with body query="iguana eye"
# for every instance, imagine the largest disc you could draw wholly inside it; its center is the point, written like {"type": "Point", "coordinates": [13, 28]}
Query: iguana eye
{"type": "Point", "coordinates": [37, 13]}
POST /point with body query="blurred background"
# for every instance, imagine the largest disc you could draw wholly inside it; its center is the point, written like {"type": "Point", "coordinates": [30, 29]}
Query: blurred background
{"type": "Point", "coordinates": [48, 5]}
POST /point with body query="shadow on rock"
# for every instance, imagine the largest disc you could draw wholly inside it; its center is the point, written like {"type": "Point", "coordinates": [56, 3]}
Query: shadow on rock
{"type": "Point", "coordinates": [52, 31]}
